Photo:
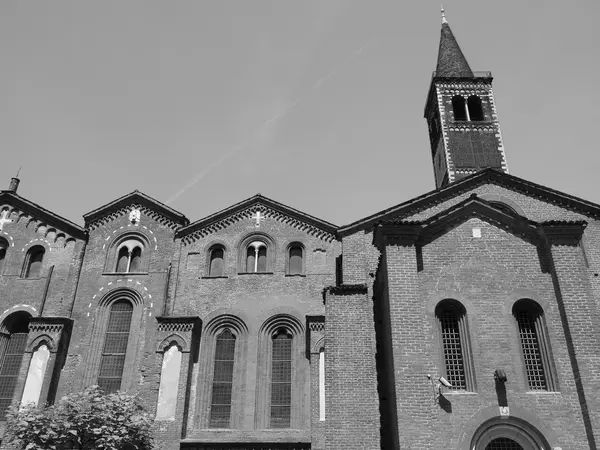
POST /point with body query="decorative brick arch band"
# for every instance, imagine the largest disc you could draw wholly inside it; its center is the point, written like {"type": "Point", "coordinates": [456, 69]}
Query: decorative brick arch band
{"type": "Point", "coordinates": [486, 424]}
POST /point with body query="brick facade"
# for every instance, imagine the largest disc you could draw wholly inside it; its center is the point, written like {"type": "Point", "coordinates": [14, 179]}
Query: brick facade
{"type": "Point", "coordinates": [366, 294]}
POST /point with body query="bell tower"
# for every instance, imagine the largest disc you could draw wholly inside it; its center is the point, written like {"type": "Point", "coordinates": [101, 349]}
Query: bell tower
{"type": "Point", "coordinates": [464, 131]}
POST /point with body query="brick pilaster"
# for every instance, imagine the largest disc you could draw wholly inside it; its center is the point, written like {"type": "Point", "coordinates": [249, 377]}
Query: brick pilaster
{"type": "Point", "coordinates": [351, 401]}
{"type": "Point", "coordinates": [580, 319]}
{"type": "Point", "coordinates": [315, 341]}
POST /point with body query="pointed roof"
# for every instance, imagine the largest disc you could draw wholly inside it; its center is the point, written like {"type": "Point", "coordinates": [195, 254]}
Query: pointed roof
{"type": "Point", "coordinates": [140, 198]}
{"type": "Point", "coordinates": [14, 199]}
{"type": "Point", "coordinates": [234, 212]}
{"type": "Point", "coordinates": [451, 60]}
{"type": "Point", "coordinates": [485, 176]}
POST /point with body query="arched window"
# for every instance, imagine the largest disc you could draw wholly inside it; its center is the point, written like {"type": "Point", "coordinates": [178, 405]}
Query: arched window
{"type": "Point", "coordinates": [295, 259]}
{"type": "Point", "coordinates": [33, 262]}
{"type": "Point", "coordinates": [13, 340]}
{"type": "Point", "coordinates": [220, 410]}
{"type": "Point", "coordinates": [452, 318]}
{"type": "Point", "coordinates": [256, 257]}
{"type": "Point", "coordinates": [475, 108]}
{"type": "Point", "coordinates": [129, 256]}
{"type": "Point", "coordinates": [3, 250]}
{"type": "Point", "coordinates": [114, 352]}
{"type": "Point", "coordinates": [503, 444]}
{"type": "Point", "coordinates": [534, 344]}
{"type": "Point", "coordinates": [459, 107]}
{"type": "Point", "coordinates": [281, 379]}
{"type": "Point", "coordinates": [217, 262]}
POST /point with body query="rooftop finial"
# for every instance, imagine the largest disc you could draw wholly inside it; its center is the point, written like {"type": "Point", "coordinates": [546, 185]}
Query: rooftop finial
{"type": "Point", "coordinates": [18, 172]}
{"type": "Point", "coordinates": [444, 15]}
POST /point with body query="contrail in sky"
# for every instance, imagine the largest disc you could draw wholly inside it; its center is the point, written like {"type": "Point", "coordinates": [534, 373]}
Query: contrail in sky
{"type": "Point", "coordinates": [273, 120]}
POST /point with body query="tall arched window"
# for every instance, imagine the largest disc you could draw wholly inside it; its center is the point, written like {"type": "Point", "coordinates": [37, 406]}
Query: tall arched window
{"type": "Point", "coordinates": [3, 250]}
{"type": "Point", "coordinates": [129, 256]}
{"type": "Point", "coordinates": [534, 344]}
{"type": "Point", "coordinates": [459, 108]}
{"type": "Point", "coordinates": [295, 260]}
{"type": "Point", "coordinates": [114, 352]}
{"type": "Point", "coordinates": [458, 369]}
{"type": "Point", "coordinates": [216, 263]}
{"type": "Point", "coordinates": [13, 340]}
{"type": "Point", "coordinates": [33, 262]}
{"type": "Point", "coordinates": [256, 257]}
{"type": "Point", "coordinates": [281, 379]}
{"type": "Point", "coordinates": [475, 108]}
{"type": "Point", "coordinates": [220, 410]}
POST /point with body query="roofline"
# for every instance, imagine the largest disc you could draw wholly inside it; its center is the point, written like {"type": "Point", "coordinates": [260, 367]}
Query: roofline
{"type": "Point", "coordinates": [47, 215]}
{"type": "Point", "coordinates": [166, 210]}
{"type": "Point", "coordinates": [493, 175]}
{"type": "Point", "coordinates": [215, 217]}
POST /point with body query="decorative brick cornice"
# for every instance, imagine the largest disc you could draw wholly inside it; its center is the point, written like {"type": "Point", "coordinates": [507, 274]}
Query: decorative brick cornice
{"type": "Point", "coordinates": [315, 323]}
{"type": "Point", "coordinates": [181, 324]}
{"type": "Point", "coordinates": [563, 232]}
{"type": "Point", "coordinates": [49, 324]}
{"type": "Point", "coordinates": [345, 289]}
{"type": "Point", "coordinates": [145, 210]}
{"type": "Point", "coordinates": [404, 234]}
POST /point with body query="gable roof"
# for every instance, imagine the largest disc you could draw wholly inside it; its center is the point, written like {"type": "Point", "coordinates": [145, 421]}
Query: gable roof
{"type": "Point", "coordinates": [43, 214]}
{"type": "Point", "coordinates": [491, 176]}
{"type": "Point", "coordinates": [257, 201]}
{"type": "Point", "coordinates": [135, 197]}
{"type": "Point", "coordinates": [427, 230]}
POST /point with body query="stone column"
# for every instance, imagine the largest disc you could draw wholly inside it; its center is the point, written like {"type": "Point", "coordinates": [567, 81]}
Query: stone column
{"type": "Point", "coordinates": [315, 341]}
{"type": "Point", "coordinates": [184, 331]}
{"type": "Point", "coordinates": [580, 318]}
{"type": "Point", "coordinates": [352, 403]}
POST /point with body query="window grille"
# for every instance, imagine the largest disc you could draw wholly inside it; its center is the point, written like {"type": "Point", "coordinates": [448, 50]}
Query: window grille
{"type": "Point", "coordinates": [220, 411]}
{"type": "Point", "coordinates": [10, 364]}
{"type": "Point", "coordinates": [295, 263]}
{"type": "Point", "coordinates": [530, 347]}
{"type": "Point", "coordinates": [453, 352]}
{"type": "Point", "coordinates": [503, 444]}
{"type": "Point", "coordinates": [216, 262]}
{"type": "Point", "coordinates": [281, 380]}
{"type": "Point", "coordinates": [112, 362]}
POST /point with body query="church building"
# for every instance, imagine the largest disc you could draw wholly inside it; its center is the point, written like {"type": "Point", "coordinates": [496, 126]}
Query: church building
{"type": "Point", "coordinates": [467, 318]}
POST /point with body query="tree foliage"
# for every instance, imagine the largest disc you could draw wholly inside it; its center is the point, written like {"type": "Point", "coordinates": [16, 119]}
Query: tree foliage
{"type": "Point", "coordinates": [85, 420]}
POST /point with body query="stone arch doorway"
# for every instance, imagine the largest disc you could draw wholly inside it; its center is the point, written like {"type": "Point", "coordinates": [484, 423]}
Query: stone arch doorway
{"type": "Point", "coordinates": [508, 434]}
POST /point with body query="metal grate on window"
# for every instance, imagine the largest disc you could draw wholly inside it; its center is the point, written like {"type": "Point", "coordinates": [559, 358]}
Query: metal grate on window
{"type": "Point", "coordinates": [10, 365]}
{"type": "Point", "coordinates": [503, 444]}
{"type": "Point", "coordinates": [453, 352]}
{"type": "Point", "coordinates": [281, 380]}
{"type": "Point", "coordinates": [112, 362]}
{"type": "Point", "coordinates": [220, 410]}
{"type": "Point", "coordinates": [531, 350]}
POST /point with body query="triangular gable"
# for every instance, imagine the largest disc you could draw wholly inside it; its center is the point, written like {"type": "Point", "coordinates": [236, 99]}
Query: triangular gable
{"type": "Point", "coordinates": [149, 206]}
{"type": "Point", "coordinates": [24, 206]}
{"type": "Point", "coordinates": [424, 232]}
{"type": "Point", "coordinates": [487, 176]}
{"type": "Point", "coordinates": [245, 209]}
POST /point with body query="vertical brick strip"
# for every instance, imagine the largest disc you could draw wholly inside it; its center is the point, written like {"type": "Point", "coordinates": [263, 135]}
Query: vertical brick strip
{"type": "Point", "coordinates": [351, 399]}
{"type": "Point", "coordinates": [581, 321]}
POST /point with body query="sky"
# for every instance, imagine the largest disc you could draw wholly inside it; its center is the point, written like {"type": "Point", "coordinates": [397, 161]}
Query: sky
{"type": "Point", "coordinates": [317, 104]}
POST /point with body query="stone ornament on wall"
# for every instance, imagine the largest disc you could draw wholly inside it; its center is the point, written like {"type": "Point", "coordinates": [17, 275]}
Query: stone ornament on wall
{"type": "Point", "coordinates": [134, 216]}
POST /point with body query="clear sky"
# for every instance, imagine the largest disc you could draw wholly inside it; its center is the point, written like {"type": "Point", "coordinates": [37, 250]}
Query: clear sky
{"type": "Point", "coordinates": [317, 104]}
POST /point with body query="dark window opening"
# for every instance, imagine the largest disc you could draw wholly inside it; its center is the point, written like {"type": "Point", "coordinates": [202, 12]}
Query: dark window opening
{"type": "Point", "coordinates": [256, 257]}
{"type": "Point", "coordinates": [295, 262]}
{"type": "Point", "coordinates": [281, 380]}
{"type": "Point", "coordinates": [129, 257]}
{"type": "Point", "coordinates": [503, 444]}
{"type": "Point", "coordinates": [136, 260]}
{"type": "Point", "coordinates": [12, 349]}
{"type": "Point", "coordinates": [475, 108]}
{"type": "Point", "coordinates": [216, 268]}
{"type": "Point", "coordinates": [220, 411]}
{"type": "Point", "coordinates": [114, 353]}
{"type": "Point", "coordinates": [123, 259]}
{"type": "Point", "coordinates": [529, 318]}
{"type": "Point", "coordinates": [459, 108]}
{"type": "Point", "coordinates": [3, 248]}
{"type": "Point", "coordinates": [33, 262]}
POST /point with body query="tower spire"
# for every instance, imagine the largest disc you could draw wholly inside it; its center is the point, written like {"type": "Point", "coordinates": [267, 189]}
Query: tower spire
{"type": "Point", "coordinates": [451, 60]}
